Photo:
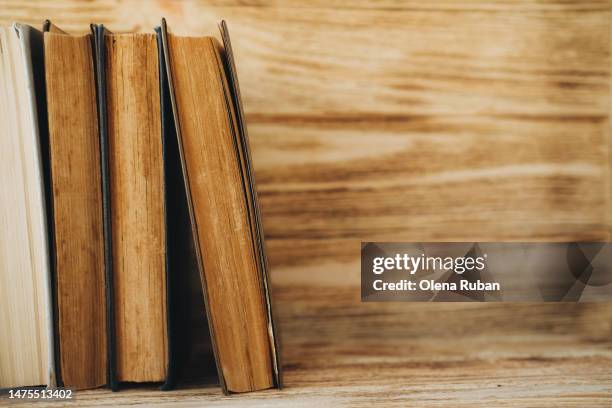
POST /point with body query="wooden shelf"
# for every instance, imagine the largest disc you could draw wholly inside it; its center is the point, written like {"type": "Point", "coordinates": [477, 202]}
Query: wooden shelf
{"type": "Point", "coordinates": [338, 352]}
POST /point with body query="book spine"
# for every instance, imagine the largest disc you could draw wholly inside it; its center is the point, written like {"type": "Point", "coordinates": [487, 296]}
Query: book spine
{"type": "Point", "coordinates": [100, 73]}
{"type": "Point", "coordinates": [166, 133]}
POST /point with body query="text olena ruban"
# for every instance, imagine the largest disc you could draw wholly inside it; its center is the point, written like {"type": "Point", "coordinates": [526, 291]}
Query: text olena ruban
{"type": "Point", "coordinates": [413, 264]}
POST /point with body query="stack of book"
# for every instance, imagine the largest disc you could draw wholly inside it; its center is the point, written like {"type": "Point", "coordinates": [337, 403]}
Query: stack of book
{"type": "Point", "coordinates": [125, 167]}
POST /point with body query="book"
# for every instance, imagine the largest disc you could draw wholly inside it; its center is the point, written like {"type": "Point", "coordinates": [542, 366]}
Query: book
{"type": "Point", "coordinates": [226, 227]}
{"type": "Point", "coordinates": [26, 322]}
{"type": "Point", "coordinates": [77, 220]}
{"type": "Point", "coordinates": [127, 72]}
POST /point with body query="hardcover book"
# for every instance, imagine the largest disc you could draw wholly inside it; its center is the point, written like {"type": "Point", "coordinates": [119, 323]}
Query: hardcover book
{"type": "Point", "coordinates": [26, 321]}
{"type": "Point", "coordinates": [225, 220]}
{"type": "Point", "coordinates": [77, 217]}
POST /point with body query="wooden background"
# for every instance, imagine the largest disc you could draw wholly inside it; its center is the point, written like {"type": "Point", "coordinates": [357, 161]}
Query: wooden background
{"type": "Point", "coordinates": [410, 120]}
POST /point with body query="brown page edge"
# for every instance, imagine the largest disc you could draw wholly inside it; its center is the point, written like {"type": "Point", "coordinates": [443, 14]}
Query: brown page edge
{"type": "Point", "coordinates": [194, 230]}
{"type": "Point", "coordinates": [49, 27]}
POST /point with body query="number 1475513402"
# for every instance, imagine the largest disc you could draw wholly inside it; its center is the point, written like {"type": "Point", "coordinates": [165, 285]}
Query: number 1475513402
{"type": "Point", "coordinates": [41, 393]}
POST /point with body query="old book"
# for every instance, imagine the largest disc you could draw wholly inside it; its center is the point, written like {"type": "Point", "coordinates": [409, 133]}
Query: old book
{"type": "Point", "coordinates": [223, 210]}
{"type": "Point", "coordinates": [74, 147]}
{"type": "Point", "coordinates": [26, 325]}
{"type": "Point", "coordinates": [129, 102]}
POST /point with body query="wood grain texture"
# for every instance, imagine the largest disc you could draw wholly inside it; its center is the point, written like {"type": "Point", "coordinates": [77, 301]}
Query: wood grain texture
{"type": "Point", "coordinates": [77, 209]}
{"type": "Point", "coordinates": [423, 355]}
{"type": "Point", "coordinates": [410, 120]}
{"type": "Point", "coordinates": [137, 206]}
